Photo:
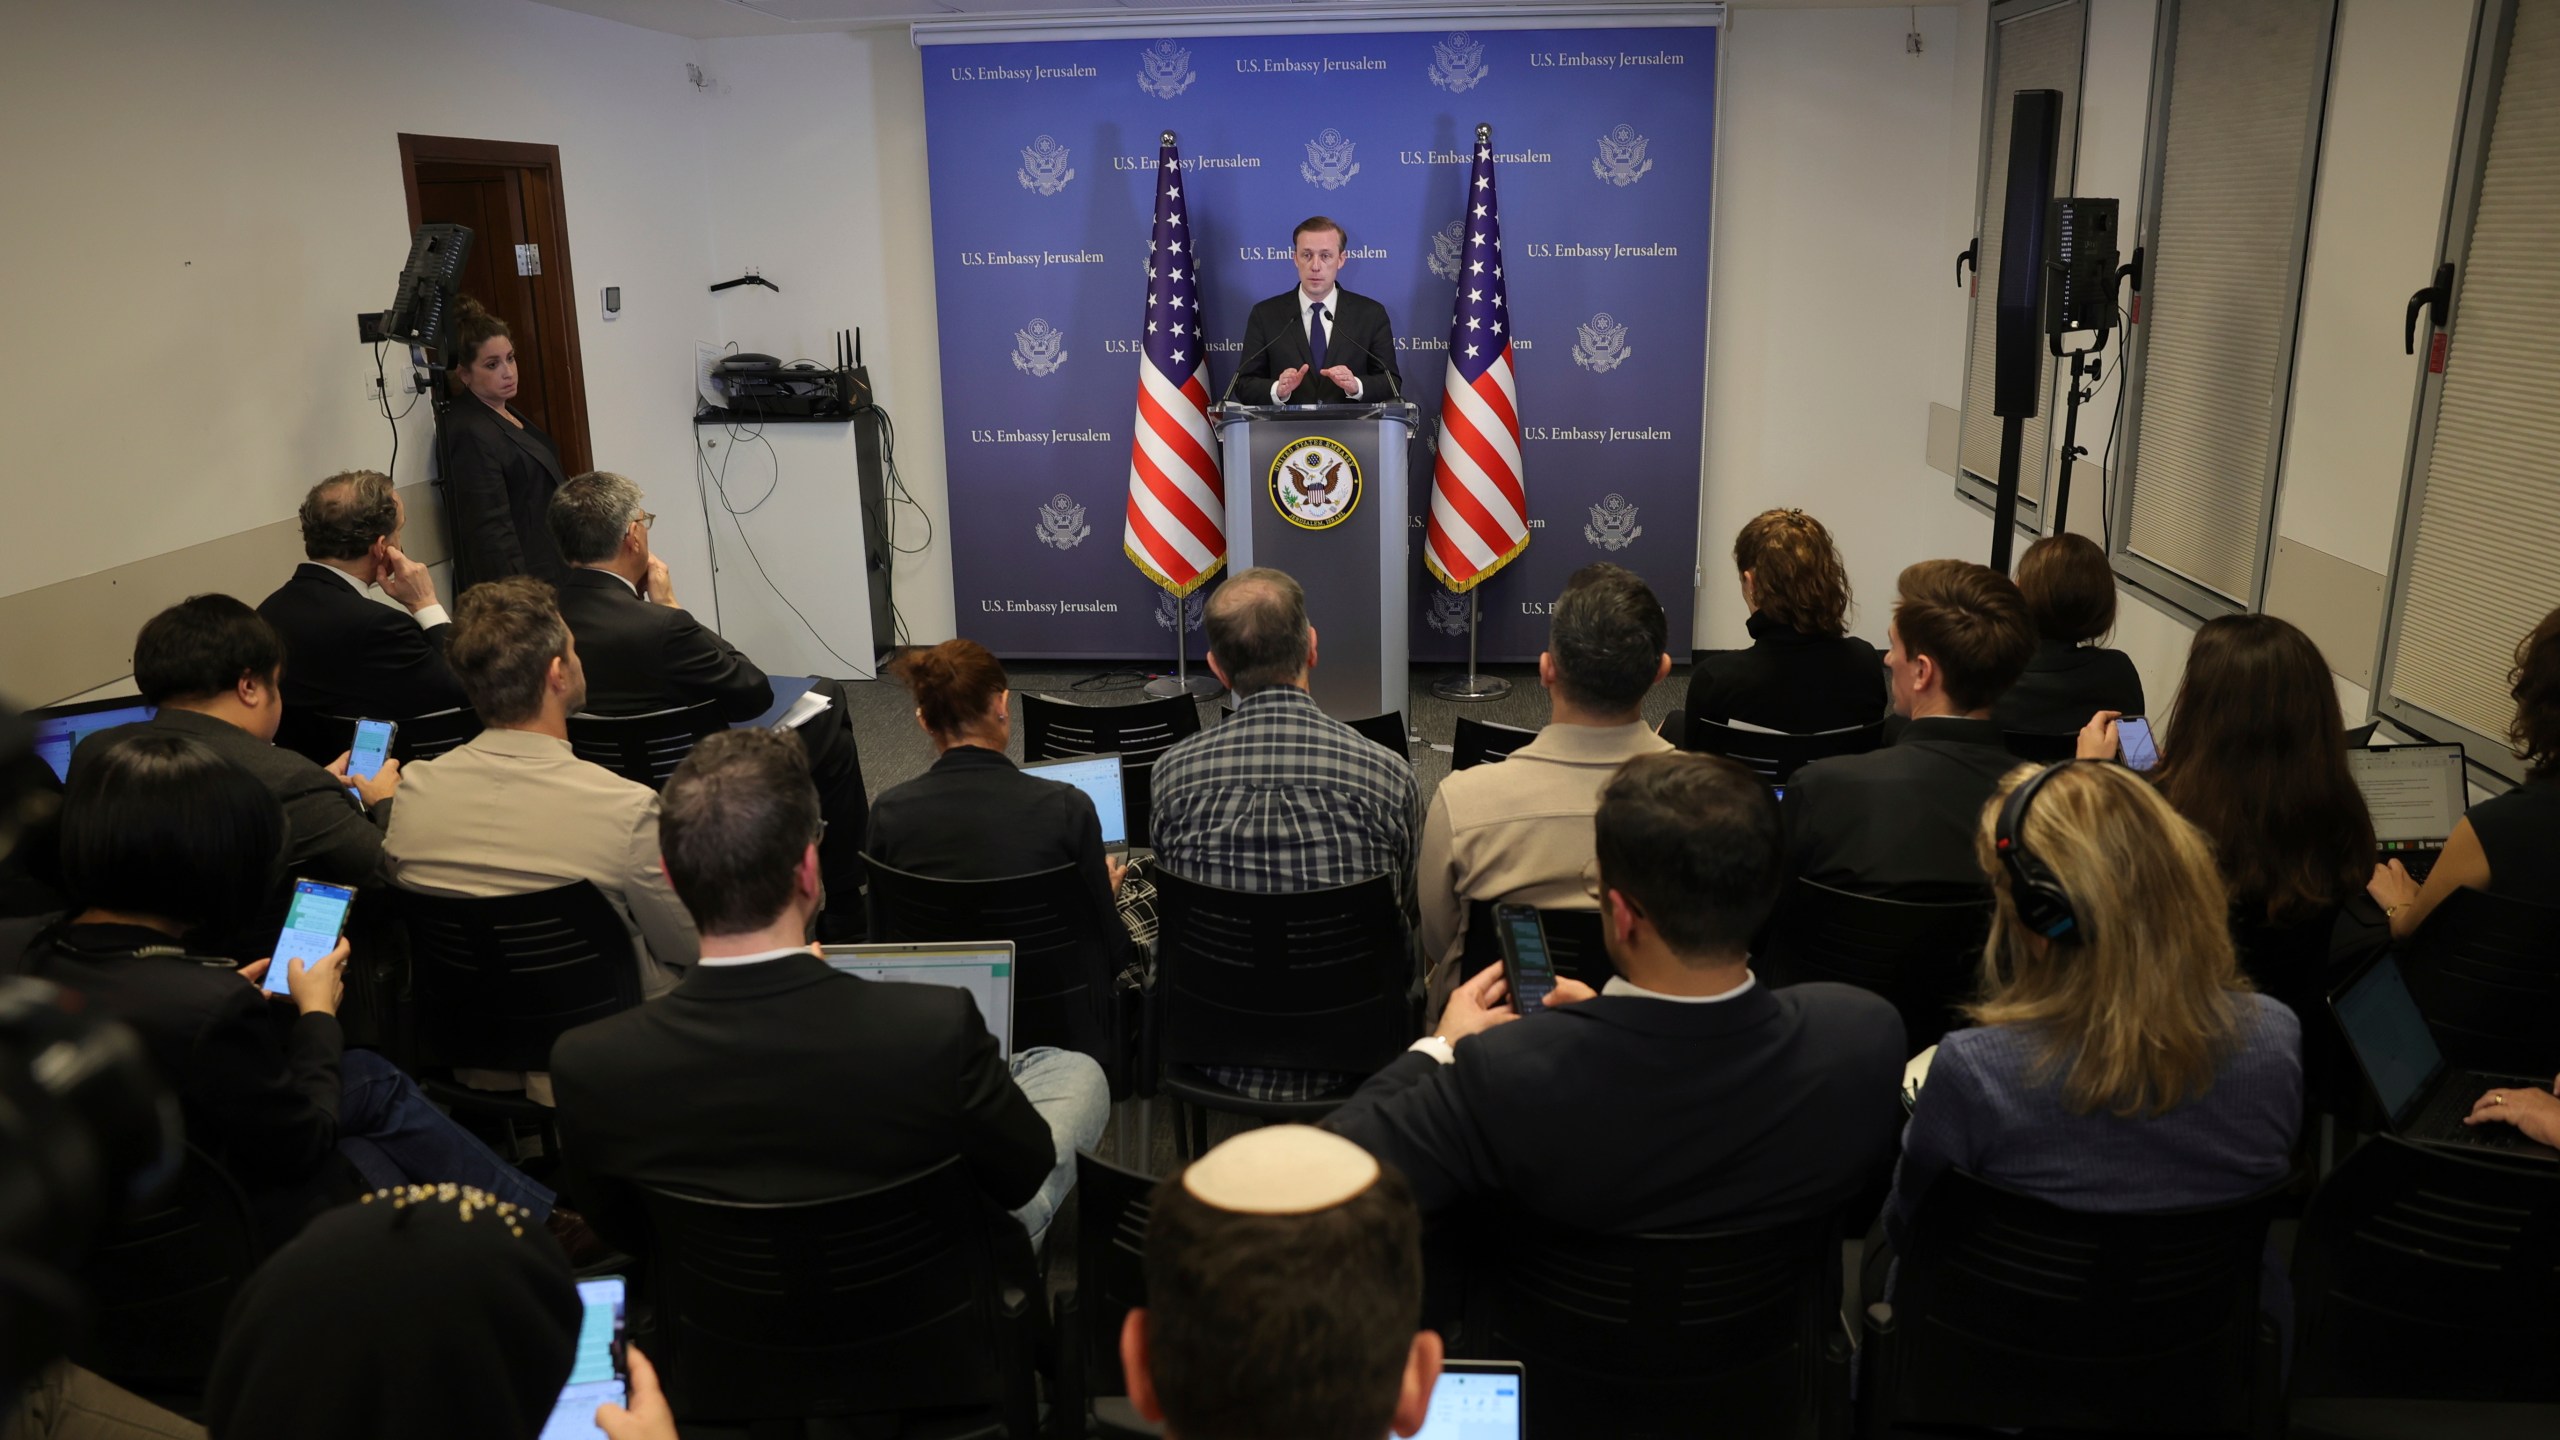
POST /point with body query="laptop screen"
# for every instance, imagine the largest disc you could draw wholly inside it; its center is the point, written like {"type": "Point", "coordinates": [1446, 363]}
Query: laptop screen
{"type": "Point", "coordinates": [1098, 776]}
{"type": "Point", "coordinates": [985, 971]}
{"type": "Point", "coordinates": [2415, 793]}
{"type": "Point", "coordinates": [59, 732]}
{"type": "Point", "coordinates": [1475, 1400]}
{"type": "Point", "coordinates": [2390, 1037]}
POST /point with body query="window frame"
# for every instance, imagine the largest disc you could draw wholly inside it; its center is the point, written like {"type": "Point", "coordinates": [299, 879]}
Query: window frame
{"type": "Point", "coordinates": [2033, 489]}
{"type": "Point", "coordinates": [2192, 596]}
{"type": "Point", "coordinates": [2485, 74]}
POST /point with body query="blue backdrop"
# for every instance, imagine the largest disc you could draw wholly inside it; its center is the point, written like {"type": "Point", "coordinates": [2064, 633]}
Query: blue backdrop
{"type": "Point", "coordinates": [1042, 166]}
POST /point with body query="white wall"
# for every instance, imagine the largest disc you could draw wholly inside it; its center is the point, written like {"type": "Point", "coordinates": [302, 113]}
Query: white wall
{"type": "Point", "coordinates": [1834, 303]}
{"type": "Point", "coordinates": [203, 196]}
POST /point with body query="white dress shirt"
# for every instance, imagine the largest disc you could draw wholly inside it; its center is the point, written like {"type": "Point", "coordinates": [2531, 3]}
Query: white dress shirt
{"type": "Point", "coordinates": [757, 958]}
{"type": "Point", "coordinates": [1618, 986]}
{"type": "Point", "coordinates": [428, 617]}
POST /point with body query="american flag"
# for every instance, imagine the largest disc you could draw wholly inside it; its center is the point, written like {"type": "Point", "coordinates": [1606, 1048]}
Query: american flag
{"type": "Point", "coordinates": [1177, 526]}
{"type": "Point", "coordinates": [1479, 510]}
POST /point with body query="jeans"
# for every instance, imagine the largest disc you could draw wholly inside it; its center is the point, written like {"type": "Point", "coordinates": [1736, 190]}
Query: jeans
{"type": "Point", "coordinates": [394, 1136]}
{"type": "Point", "coordinates": [1071, 1093]}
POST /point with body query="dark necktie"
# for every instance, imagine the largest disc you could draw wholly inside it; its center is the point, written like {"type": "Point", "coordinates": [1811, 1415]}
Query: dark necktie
{"type": "Point", "coordinates": [1315, 333]}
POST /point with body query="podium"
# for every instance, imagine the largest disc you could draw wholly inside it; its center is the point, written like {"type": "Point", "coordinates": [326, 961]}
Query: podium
{"type": "Point", "coordinates": [1319, 491]}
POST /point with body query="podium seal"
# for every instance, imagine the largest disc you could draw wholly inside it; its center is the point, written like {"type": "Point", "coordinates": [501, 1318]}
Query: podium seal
{"type": "Point", "coordinates": [1315, 483]}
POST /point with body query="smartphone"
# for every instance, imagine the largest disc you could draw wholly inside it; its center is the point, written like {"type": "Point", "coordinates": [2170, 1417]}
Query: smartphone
{"type": "Point", "coordinates": [599, 1373]}
{"type": "Point", "coordinates": [311, 929]}
{"type": "Point", "coordinates": [372, 747]}
{"type": "Point", "coordinates": [2133, 733]}
{"type": "Point", "coordinates": [1526, 968]}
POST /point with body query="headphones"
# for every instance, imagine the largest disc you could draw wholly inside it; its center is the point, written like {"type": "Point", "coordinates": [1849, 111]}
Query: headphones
{"type": "Point", "coordinates": [2042, 902]}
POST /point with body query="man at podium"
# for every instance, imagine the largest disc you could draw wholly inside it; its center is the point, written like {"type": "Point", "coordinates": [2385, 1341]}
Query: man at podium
{"type": "Point", "coordinates": [1318, 343]}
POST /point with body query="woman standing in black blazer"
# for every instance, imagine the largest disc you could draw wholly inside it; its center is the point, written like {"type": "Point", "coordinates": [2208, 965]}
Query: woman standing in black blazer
{"type": "Point", "coordinates": [498, 469]}
{"type": "Point", "coordinates": [1804, 672]}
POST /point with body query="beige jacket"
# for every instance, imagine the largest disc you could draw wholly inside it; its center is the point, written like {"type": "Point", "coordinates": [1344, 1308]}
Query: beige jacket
{"type": "Point", "coordinates": [1518, 831]}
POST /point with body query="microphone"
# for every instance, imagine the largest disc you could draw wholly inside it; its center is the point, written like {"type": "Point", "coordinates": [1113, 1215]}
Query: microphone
{"type": "Point", "coordinates": [1249, 359]}
{"type": "Point", "coordinates": [1394, 390]}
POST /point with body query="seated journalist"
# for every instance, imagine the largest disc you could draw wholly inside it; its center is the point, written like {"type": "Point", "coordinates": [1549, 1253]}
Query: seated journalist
{"type": "Point", "coordinates": [347, 654]}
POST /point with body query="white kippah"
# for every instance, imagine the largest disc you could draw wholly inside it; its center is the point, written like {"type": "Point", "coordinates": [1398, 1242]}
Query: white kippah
{"type": "Point", "coordinates": [1281, 1170]}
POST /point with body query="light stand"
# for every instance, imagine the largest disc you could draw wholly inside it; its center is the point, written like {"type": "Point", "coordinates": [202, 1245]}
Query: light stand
{"type": "Point", "coordinates": [2082, 361]}
{"type": "Point", "coordinates": [1471, 686]}
{"type": "Point", "coordinates": [1182, 681]}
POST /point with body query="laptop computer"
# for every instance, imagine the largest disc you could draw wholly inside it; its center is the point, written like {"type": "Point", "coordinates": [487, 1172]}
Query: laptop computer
{"type": "Point", "coordinates": [61, 728]}
{"type": "Point", "coordinates": [2424, 1097]}
{"type": "Point", "coordinates": [983, 968]}
{"type": "Point", "coordinates": [1098, 776]}
{"type": "Point", "coordinates": [1476, 1400]}
{"type": "Point", "coordinates": [2415, 794]}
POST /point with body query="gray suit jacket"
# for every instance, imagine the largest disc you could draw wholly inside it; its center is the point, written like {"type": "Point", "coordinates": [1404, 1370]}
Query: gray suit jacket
{"type": "Point", "coordinates": [330, 837]}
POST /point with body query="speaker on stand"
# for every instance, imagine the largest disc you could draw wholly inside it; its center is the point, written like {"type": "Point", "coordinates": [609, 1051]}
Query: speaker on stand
{"type": "Point", "coordinates": [2017, 374]}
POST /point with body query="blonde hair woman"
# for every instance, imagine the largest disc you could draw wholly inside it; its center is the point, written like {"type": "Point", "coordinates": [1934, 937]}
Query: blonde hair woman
{"type": "Point", "coordinates": [2119, 1061]}
{"type": "Point", "coordinates": [1804, 672]}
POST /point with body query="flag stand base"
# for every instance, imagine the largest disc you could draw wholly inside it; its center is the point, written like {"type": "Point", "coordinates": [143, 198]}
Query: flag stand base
{"type": "Point", "coordinates": [1471, 687]}
{"type": "Point", "coordinates": [1182, 681]}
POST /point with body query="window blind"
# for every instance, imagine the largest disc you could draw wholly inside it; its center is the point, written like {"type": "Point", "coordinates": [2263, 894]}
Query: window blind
{"type": "Point", "coordinates": [2039, 50]}
{"type": "Point", "coordinates": [2225, 271]}
{"type": "Point", "coordinates": [2483, 567]}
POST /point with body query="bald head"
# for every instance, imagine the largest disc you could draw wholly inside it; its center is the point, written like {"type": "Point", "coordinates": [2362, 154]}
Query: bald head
{"type": "Point", "coordinates": [1258, 631]}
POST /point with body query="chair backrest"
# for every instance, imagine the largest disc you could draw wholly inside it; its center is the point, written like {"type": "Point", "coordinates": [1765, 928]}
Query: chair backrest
{"type": "Point", "coordinates": [1775, 757]}
{"type": "Point", "coordinates": [2360, 736]}
{"type": "Point", "coordinates": [1138, 734]}
{"type": "Point", "coordinates": [324, 738]}
{"type": "Point", "coordinates": [1573, 943]}
{"type": "Point", "coordinates": [894, 1299]}
{"type": "Point", "coordinates": [163, 1278]}
{"type": "Point", "coordinates": [429, 736]}
{"type": "Point", "coordinates": [1481, 742]}
{"type": "Point", "coordinates": [1731, 1333]}
{"type": "Point", "coordinates": [2041, 746]}
{"type": "Point", "coordinates": [1113, 1206]}
{"type": "Point", "coordinates": [2009, 1310]}
{"type": "Point", "coordinates": [1925, 958]}
{"type": "Point", "coordinates": [499, 978]}
{"type": "Point", "coordinates": [1064, 964]}
{"type": "Point", "coordinates": [646, 748]}
{"type": "Point", "coordinates": [2415, 1262]}
{"type": "Point", "coordinates": [2485, 969]}
{"type": "Point", "coordinates": [1387, 730]}
{"type": "Point", "coordinates": [1315, 980]}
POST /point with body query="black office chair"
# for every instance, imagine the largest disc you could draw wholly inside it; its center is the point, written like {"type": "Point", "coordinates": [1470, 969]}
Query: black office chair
{"type": "Point", "coordinates": [1775, 757]}
{"type": "Point", "coordinates": [2044, 747]}
{"type": "Point", "coordinates": [323, 738]}
{"type": "Point", "coordinates": [1734, 1333]}
{"type": "Point", "coordinates": [1481, 742]}
{"type": "Point", "coordinates": [162, 1280]}
{"type": "Point", "coordinates": [917, 1299]}
{"type": "Point", "coordinates": [1112, 1209]}
{"type": "Point", "coordinates": [497, 979]}
{"type": "Point", "coordinates": [1065, 963]}
{"type": "Point", "coordinates": [1138, 734]}
{"type": "Point", "coordinates": [1573, 943]}
{"type": "Point", "coordinates": [2360, 736]}
{"type": "Point", "coordinates": [1313, 980]}
{"type": "Point", "coordinates": [2419, 1272]}
{"type": "Point", "coordinates": [1387, 730]}
{"type": "Point", "coordinates": [2011, 1311]}
{"type": "Point", "coordinates": [646, 748]}
{"type": "Point", "coordinates": [2485, 971]}
{"type": "Point", "coordinates": [1925, 958]}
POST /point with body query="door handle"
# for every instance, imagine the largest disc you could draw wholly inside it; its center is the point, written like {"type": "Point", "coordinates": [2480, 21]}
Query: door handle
{"type": "Point", "coordinates": [1965, 257]}
{"type": "Point", "coordinates": [2436, 299]}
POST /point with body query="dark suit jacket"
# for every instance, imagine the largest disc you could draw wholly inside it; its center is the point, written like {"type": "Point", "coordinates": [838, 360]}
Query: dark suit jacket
{"type": "Point", "coordinates": [258, 1086]}
{"type": "Point", "coordinates": [348, 655]}
{"type": "Point", "coordinates": [974, 816]}
{"type": "Point", "coordinates": [641, 657]}
{"type": "Point", "coordinates": [1275, 339]}
{"type": "Point", "coordinates": [498, 480]}
{"type": "Point", "coordinates": [2066, 684]}
{"type": "Point", "coordinates": [785, 1080]}
{"type": "Point", "coordinates": [1790, 681]}
{"type": "Point", "coordinates": [1630, 1114]}
{"type": "Point", "coordinates": [1899, 822]}
{"type": "Point", "coordinates": [328, 835]}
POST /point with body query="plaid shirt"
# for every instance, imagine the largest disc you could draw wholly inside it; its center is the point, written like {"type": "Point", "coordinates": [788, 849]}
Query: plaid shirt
{"type": "Point", "coordinates": [1283, 797]}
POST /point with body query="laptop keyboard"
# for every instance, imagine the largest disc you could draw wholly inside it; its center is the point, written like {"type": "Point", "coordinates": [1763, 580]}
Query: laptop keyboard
{"type": "Point", "coordinates": [2416, 860]}
{"type": "Point", "coordinates": [2441, 1120]}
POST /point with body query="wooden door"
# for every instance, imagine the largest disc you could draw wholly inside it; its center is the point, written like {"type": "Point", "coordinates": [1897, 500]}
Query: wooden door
{"type": "Point", "coordinates": [509, 195]}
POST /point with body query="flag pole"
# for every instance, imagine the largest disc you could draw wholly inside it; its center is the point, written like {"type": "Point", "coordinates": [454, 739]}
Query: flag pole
{"type": "Point", "coordinates": [1181, 681]}
{"type": "Point", "coordinates": [1473, 686]}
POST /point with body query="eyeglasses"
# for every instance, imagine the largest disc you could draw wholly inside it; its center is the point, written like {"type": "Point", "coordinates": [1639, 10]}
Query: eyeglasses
{"type": "Point", "coordinates": [1591, 878]}
{"type": "Point", "coordinates": [648, 521]}
{"type": "Point", "coordinates": [821, 837]}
